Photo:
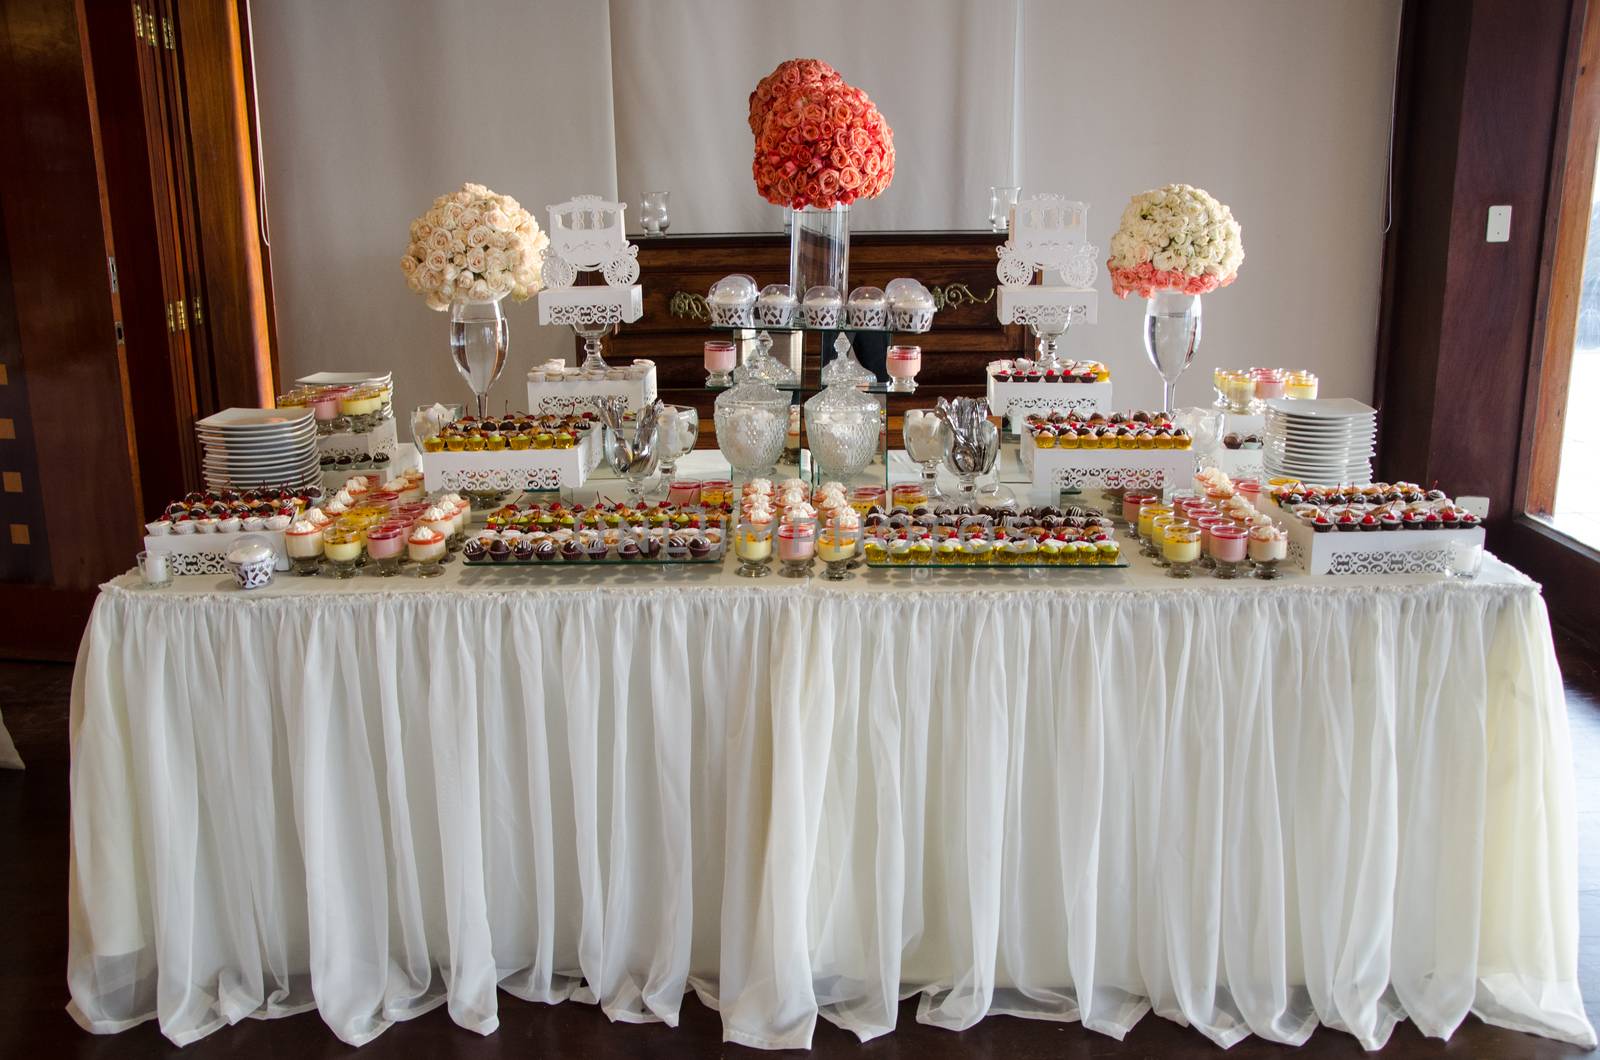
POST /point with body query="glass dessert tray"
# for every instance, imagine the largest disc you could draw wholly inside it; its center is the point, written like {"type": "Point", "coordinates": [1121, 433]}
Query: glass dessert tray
{"type": "Point", "coordinates": [962, 564]}
{"type": "Point", "coordinates": [611, 560]}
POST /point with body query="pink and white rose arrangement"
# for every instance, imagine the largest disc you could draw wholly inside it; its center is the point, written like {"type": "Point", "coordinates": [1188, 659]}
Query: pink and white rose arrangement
{"type": "Point", "coordinates": [1175, 238]}
{"type": "Point", "coordinates": [820, 142]}
{"type": "Point", "coordinates": [474, 245]}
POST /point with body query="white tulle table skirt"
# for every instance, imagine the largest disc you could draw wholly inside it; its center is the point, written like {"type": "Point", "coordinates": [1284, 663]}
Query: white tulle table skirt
{"type": "Point", "coordinates": [1252, 809]}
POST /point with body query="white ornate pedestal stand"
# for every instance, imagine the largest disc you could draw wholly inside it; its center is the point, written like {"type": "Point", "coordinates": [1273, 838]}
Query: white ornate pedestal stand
{"type": "Point", "coordinates": [1047, 235]}
{"type": "Point", "coordinates": [586, 235]}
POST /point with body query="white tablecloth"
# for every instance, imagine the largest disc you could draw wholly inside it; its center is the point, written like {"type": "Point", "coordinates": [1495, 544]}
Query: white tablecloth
{"type": "Point", "coordinates": [1250, 807]}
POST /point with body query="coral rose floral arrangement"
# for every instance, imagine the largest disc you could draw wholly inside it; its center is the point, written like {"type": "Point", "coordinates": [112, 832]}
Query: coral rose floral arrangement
{"type": "Point", "coordinates": [1176, 238]}
{"type": "Point", "coordinates": [474, 245]}
{"type": "Point", "coordinates": [820, 142]}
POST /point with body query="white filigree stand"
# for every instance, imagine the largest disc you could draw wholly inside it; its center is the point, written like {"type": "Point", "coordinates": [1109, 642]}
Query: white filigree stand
{"type": "Point", "coordinates": [208, 553]}
{"type": "Point", "coordinates": [1016, 401]}
{"type": "Point", "coordinates": [1371, 551]}
{"type": "Point", "coordinates": [571, 397]}
{"type": "Point", "coordinates": [1082, 469]}
{"type": "Point", "coordinates": [526, 470]}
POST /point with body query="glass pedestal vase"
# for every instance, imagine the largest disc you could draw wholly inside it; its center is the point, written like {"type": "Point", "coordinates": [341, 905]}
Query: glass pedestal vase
{"type": "Point", "coordinates": [479, 340]}
{"type": "Point", "coordinates": [819, 249]}
{"type": "Point", "coordinates": [1171, 336]}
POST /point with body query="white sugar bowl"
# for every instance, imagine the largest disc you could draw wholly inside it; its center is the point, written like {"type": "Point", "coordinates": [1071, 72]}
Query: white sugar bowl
{"type": "Point", "coordinates": [252, 563]}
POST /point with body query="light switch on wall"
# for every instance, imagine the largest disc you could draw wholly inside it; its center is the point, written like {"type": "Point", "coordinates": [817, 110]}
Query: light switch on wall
{"type": "Point", "coordinates": [1499, 225]}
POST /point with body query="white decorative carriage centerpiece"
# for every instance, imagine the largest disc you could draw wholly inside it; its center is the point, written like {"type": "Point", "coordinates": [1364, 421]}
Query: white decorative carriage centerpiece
{"type": "Point", "coordinates": [586, 235]}
{"type": "Point", "coordinates": [1048, 238]}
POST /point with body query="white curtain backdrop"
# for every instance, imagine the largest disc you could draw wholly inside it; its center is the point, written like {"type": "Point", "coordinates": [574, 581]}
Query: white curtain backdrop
{"type": "Point", "coordinates": [939, 70]}
{"type": "Point", "coordinates": [370, 108]}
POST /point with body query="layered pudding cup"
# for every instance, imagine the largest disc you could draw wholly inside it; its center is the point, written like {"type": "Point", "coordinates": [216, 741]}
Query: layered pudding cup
{"type": "Point", "coordinates": [1158, 535]}
{"type": "Point", "coordinates": [716, 491]}
{"type": "Point", "coordinates": [385, 543]}
{"type": "Point", "coordinates": [797, 544]}
{"type": "Point", "coordinates": [684, 493]}
{"type": "Point", "coordinates": [425, 547]}
{"type": "Point", "coordinates": [1131, 501]}
{"type": "Point", "coordinates": [836, 547]}
{"type": "Point", "coordinates": [721, 355]}
{"type": "Point", "coordinates": [303, 543]}
{"type": "Point", "coordinates": [1180, 547]}
{"type": "Point", "coordinates": [1208, 523]}
{"type": "Point", "coordinates": [1269, 383]}
{"type": "Point", "coordinates": [903, 362]}
{"type": "Point", "coordinates": [1250, 490]}
{"type": "Point", "coordinates": [1148, 513]}
{"type": "Point", "coordinates": [1227, 546]}
{"type": "Point", "coordinates": [1267, 546]}
{"type": "Point", "coordinates": [341, 548]}
{"type": "Point", "coordinates": [362, 407]}
{"type": "Point", "coordinates": [384, 499]}
{"type": "Point", "coordinates": [752, 545]}
{"type": "Point", "coordinates": [325, 407]}
{"type": "Point", "coordinates": [1301, 386]}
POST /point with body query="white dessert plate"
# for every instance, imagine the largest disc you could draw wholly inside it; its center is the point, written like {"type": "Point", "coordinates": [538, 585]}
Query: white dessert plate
{"type": "Point", "coordinates": [1320, 408]}
{"type": "Point", "coordinates": [344, 378]}
{"type": "Point", "coordinates": [254, 420]}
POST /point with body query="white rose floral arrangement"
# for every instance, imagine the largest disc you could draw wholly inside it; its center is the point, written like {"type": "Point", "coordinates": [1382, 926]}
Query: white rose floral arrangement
{"type": "Point", "coordinates": [1176, 238]}
{"type": "Point", "coordinates": [474, 245]}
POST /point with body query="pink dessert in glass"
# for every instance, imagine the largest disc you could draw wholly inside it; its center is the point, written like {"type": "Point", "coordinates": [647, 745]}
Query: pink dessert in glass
{"type": "Point", "coordinates": [385, 543]}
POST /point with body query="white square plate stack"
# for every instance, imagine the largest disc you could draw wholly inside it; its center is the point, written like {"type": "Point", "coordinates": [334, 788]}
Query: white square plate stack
{"type": "Point", "coordinates": [249, 448]}
{"type": "Point", "coordinates": [1322, 441]}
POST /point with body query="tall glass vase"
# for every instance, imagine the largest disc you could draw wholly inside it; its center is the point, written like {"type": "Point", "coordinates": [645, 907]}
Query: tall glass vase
{"type": "Point", "coordinates": [1171, 335]}
{"type": "Point", "coordinates": [819, 249]}
{"type": "Point", "coordinates": [479, 339]}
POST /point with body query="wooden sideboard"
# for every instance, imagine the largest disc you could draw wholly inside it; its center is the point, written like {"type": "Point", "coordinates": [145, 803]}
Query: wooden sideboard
{"type": "Point", "coordinates": [958, 267]}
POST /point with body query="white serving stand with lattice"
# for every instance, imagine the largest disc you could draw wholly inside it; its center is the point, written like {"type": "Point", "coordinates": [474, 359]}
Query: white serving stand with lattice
{"type": "Point", "coordinates": [1371, 551]}
{"type": "Point", "coordinates": [1057, 470]}
{"type": "Point", "coordinates": [524, 471]}
{"type": "Point", "coordinates": [208, 553]}
{"type": "Point", "coordinates": [572, 397]}
{"type": "Point", "coordinates": [586, 235]}
{"type": "Point", "coordinates": [1016, 401]}
{"type": "Point", "coordinates": [1047, 238]}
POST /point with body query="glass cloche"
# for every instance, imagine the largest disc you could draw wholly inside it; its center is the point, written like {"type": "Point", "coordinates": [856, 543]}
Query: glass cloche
{"type": "Point", "coordinates": [751, 419]}
{"type": "Point", "coordinates": [842, 423]}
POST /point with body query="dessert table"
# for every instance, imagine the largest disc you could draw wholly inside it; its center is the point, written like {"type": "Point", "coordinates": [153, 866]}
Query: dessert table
{"type": "Point", "coordinates": [1252, 807]}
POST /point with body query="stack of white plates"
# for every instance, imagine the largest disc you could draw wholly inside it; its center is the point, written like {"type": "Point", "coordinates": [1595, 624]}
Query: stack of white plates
{"type": "Point", "coordinates": [1324, 442]}
{"type": "Point", "coordinates": [247, 448]}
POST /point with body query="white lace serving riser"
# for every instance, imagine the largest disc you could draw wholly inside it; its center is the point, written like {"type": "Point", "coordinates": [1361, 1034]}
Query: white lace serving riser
{"type": "Point", "coordinates": [1019, 408]}
{"type": "Point", "coordinates": [582, 315]}
{"type": "Point", "coordinates": [182, 563]}
{"type": "Point", "coordinates": [500, 479]}
{"type": "Point", "coordinates": [1110, 478]}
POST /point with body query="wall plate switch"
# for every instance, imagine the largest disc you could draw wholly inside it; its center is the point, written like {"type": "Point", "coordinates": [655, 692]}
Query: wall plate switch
{"type": "Point", "coordinates": [1499, 230]}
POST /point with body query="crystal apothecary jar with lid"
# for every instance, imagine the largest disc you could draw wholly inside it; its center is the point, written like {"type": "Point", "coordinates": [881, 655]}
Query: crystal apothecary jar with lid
{"type": "Point", "coordinates": [842, 423]}
{"type": "Point", "coordinates": [751, 418]}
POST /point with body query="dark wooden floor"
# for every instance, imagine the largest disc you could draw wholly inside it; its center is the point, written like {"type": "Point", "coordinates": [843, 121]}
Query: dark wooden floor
{"type": "Point", "coordinates": [33, 931]}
